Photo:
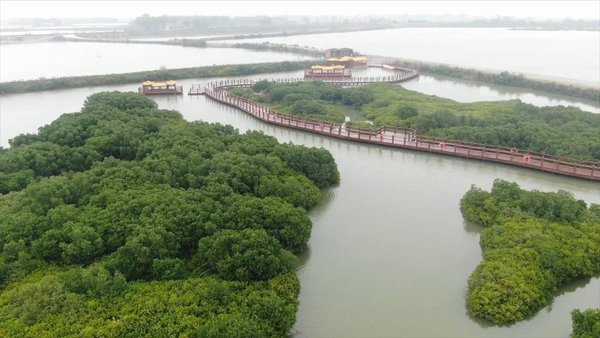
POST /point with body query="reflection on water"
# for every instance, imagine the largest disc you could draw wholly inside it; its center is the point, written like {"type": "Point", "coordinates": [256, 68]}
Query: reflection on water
{"type": "Point", "coordinates": [472, 228]}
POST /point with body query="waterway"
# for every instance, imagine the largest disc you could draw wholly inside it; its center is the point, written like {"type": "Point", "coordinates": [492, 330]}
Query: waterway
{"type": "Point", "coordinates": [389, 253]}
{"type": "Point", "coordinates": [56, 59]}
{"type": "Point", "coordinates": [557, 54]}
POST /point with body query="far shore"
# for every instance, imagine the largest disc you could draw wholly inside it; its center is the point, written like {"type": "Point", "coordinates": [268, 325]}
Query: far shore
{"type": "Point", "coordinates": [538, 77]}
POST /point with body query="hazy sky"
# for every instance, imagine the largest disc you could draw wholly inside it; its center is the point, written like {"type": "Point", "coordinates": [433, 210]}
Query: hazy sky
{"type": "Point", "coordinates": [132, 9]}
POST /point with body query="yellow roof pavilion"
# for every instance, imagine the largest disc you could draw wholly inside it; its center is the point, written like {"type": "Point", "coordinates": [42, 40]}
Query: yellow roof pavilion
{"type": "Point", "coordinates": [159, 84]}
{"type": "Point", "coordinates": [348, 58]}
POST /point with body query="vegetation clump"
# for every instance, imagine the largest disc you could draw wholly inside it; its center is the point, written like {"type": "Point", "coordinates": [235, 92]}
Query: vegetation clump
{"type": "Point", "coordinates": [126, 220]}
{"type": "Point", "coordinates": [533, 243]}
{"type": "Point", "coordinates": [586, 324]}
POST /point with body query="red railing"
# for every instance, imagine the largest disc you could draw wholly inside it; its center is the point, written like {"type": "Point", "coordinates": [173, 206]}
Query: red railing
{"type": "Point", "coordinates": [395, 78]}
{"type": "Point", "coordinates": [404, 137]}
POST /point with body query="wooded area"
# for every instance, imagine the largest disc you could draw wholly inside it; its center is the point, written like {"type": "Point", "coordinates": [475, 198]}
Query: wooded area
{"type": "Point", "coordinates": [125, 220]}
{"type": "Point", "coordinates": [534, 242]}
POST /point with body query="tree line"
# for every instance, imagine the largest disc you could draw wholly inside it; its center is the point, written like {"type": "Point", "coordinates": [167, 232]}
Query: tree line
{"type": "Point", "coordinates": [26, 86]}
{"type": "Point", "coordinates": [533, 243]}
{"type": "Point", "coordinates": [126, 220]}
{"type": "Point", "coordinates": [505, 79]}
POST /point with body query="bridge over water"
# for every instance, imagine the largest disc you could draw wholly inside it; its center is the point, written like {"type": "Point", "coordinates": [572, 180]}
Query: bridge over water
{"type": "Point", "coordinates": [396, 137]}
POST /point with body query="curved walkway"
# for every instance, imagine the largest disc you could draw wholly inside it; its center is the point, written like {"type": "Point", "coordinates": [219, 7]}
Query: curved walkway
{"type": "Point", "coordinates": [398, 137]}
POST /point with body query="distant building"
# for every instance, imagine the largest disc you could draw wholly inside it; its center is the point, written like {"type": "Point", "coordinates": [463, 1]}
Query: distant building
{"type": "Point", "coordinates": [348, 61]}
{"type": "Point", "coordinates": [328, 71]}
{"type": "Point", "coordinates": [338, 52]}
{"type": "Point", "coordinates": [159, 88]}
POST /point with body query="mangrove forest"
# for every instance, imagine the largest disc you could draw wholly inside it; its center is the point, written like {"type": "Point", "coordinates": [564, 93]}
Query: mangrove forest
{"type": "Point", "coordinates": [124, 220]}
{"type": "Point", "coordinates": [533, 243]}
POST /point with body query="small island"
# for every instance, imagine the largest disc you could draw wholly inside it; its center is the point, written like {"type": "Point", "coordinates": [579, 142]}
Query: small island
{"type": "Point", "coordinates": [126, 220]}
{"type": "Point", "coordinates": [533, 243]}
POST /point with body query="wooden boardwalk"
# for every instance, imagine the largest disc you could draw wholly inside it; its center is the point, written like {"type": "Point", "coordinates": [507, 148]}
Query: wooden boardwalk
{"type": "Point", "coordinates": [400, 75]}
{"type": "Point", "coordinates": [404, 138]}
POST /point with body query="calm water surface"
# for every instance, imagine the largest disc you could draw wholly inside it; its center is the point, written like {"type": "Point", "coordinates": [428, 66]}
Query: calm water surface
{"type": "Point", "coordinates": [389, 253]}
{"type": "Point", "coordinates": [561, 54]}
{"type": "Point", "coordinates": [35, 60]}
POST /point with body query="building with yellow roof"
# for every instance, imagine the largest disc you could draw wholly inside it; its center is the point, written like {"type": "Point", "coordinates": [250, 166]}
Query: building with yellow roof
{"type": "Point", "coordinates": [159, 88]}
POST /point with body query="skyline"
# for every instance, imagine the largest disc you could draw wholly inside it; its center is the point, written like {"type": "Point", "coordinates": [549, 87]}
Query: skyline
{"type": "Point", "coordinates": [540, 10]}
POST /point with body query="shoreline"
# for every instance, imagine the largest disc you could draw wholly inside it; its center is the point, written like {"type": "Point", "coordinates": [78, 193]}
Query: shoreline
{"type": "Point", "coordinates": [581, 89]}
{"type": "Point", "coordinates": [121, 36]}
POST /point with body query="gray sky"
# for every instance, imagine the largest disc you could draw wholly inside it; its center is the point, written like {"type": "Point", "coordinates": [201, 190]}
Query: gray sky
{"type": "Point", "coordinates": [132, 9]}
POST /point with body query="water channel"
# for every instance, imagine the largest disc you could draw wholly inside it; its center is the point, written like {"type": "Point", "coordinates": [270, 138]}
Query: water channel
{"type": "Point", "coordinates": [389, 253]}
{"type": "Point", "coordinates": [53, 59]}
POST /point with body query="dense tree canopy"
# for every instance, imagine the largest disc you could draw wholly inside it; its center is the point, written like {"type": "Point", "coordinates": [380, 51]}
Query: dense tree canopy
{"type": "Point", "coordinates": [534, 242]}
{"type": "Point", "coordinates": [561, 131]}
{"type": "Point", "coordinates": [586, 324]}
{"type": "Point", "coordinates": [125, 220]}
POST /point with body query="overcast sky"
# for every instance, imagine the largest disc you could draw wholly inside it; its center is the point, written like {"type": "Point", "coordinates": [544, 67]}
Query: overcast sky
{"type": "Point", "coordinates": [131, 9]}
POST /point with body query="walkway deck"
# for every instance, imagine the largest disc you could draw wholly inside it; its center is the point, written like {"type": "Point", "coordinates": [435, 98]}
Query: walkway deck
{"type": "Point", "coordinates": [405, 138]}
{"type": "Point", "coordinates": [400, 75]}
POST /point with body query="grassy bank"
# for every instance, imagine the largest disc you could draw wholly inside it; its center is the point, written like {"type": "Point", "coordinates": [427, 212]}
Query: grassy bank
{"type": "Point", "coordinates": [14, 87]}
{"type": "Point", "coordinates": [506, 79]}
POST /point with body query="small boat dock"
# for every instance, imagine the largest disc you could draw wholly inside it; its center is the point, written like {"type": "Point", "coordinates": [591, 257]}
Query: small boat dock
{"type": "Point", "coordinates": [196, 90]}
